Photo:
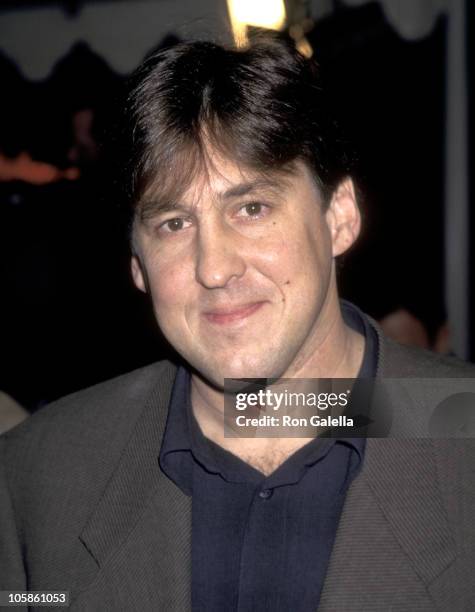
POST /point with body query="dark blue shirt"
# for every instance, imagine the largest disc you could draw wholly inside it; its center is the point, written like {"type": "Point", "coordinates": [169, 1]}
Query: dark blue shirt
{"type": "Point", "coordinates": [261, 543]}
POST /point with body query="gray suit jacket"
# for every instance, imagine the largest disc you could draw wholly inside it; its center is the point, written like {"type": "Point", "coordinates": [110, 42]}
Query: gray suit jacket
{"type": "Point", "coordinates": [85, 507]}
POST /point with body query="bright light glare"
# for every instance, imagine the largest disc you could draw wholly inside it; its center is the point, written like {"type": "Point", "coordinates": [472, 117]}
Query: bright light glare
{"type": "Point", "coordinates": [269, 14]}
{"type": "Point", "coordinates": [304, 48]}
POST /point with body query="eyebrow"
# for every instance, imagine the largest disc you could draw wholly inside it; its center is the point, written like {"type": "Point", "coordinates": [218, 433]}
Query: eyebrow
{"type": "Point", "coordinates": [245, 188]}
{"type": "Point", "coordinates": [151, 208]}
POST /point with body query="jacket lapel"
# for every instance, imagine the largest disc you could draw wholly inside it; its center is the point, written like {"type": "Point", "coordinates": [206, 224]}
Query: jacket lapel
{"type": "Point", "coordinates": [393, 540]}
{"type": "Point", "coordinates": [139, 533]}
{"type": "Point", "coordinates": [394, 548]}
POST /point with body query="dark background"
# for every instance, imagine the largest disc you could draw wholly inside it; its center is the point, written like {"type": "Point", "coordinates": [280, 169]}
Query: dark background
{"type": "Point", "coordinates": [69, 315]}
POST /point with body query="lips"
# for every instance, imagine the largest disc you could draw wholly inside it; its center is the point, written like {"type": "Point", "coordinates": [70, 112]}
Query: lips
{"type": "Point", "coordinates": [225, 316]}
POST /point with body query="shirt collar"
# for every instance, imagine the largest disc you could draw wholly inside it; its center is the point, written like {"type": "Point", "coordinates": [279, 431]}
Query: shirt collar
{"type": "Point", "coordinates": [358, 321]}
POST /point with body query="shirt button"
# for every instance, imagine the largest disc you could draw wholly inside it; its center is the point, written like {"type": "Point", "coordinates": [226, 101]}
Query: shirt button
{"type": "Point", "coordinates": [265, 493]}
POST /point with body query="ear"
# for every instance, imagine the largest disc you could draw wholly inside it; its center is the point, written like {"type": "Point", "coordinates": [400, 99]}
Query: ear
{"type": "Point", "coordinates": [343, 217]}
{"type": "Point", "coordinates": [138, 274]}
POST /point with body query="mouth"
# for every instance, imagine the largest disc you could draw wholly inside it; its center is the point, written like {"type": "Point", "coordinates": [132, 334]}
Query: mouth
{"type": "Point", "coordinates": [233, 314]}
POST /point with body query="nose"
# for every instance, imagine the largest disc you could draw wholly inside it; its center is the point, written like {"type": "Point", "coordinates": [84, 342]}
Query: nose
{"type": "Point", "coordinates": [219, 258]}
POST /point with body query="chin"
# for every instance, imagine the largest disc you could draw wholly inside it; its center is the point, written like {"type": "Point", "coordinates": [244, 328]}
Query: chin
{"type": "Point", "coordinates": [252, 368]}
{"type": "Point", "coordinates": [214, 373]}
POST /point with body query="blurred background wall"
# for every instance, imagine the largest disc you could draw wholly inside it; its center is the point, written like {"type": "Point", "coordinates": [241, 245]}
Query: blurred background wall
{"type": "Point", "coordinates": [398, 77]}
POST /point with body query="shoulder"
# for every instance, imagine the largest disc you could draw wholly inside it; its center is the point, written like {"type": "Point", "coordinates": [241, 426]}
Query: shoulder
{"type": "Point", "coordinates": [423, 393]}
{"type": "Point", "coordinates": [94, 421]}
{"type": "Point", "coordinates": [399, 361]}
{"type": "Point", "coordinates": [56, 465]}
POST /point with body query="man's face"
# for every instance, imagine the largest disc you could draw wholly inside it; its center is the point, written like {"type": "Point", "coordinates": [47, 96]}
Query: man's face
{"type": "Point", "coordinates": [240, 272]}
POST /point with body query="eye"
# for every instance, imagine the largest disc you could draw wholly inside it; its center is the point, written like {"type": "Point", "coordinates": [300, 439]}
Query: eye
{"type": "Point", "coordinates": [254, 210]}
{"type": "Point", "coordinates": [174, 225]}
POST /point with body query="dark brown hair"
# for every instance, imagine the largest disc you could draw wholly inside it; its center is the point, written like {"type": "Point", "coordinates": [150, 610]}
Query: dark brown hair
{"type": "Point", "coordinates": [261, 107]}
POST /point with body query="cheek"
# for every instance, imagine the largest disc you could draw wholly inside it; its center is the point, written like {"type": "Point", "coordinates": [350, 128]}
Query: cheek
{"type": "Point", "coordinates": [308, 269]}
{"type": "Point", "coordinates": [169, 285]}
{"type": "Point", "coordinates": [277, 258]}
{"type": "Point", "coordinates": [295, 259]}
{"type": "Point", "coordinates": [316, 251]}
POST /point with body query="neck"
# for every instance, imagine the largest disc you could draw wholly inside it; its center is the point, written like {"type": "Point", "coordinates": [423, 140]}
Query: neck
{"type": "Point", "coordinates": [337, 353]}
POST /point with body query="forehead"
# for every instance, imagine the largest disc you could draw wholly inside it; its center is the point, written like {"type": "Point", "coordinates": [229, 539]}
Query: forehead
{"type": "Point", "coordinates": [222, 178]}
{"type": "Point", "coordinates": [216, 178]}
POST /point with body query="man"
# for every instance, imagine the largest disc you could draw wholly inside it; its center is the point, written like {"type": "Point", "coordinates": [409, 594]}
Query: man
{"type": "Point", "coordinates": [129, 495]}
